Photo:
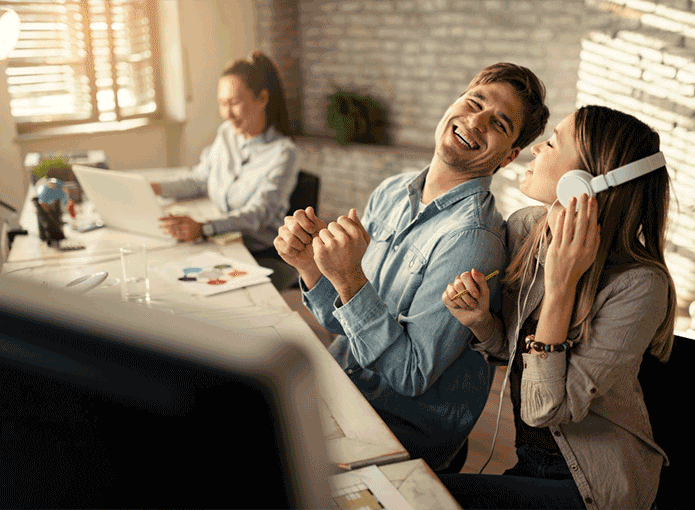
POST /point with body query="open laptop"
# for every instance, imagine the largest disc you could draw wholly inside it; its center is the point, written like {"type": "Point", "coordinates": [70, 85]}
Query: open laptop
{"type": "Point", "coordinates": [124, 200]}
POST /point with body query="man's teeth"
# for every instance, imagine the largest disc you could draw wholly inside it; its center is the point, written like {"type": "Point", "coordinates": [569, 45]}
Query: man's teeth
{"type": "Point", "coordinates": [471, 146]}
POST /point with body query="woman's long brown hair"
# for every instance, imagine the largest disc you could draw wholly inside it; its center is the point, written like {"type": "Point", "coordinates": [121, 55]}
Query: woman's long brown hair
{"type": "Point", "coordinates": [259, 73]}
{"type": "Point", "coordinates": [632, 216]}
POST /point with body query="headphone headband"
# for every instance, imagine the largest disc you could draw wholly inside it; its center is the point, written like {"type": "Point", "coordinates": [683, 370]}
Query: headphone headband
{"type": "Point", "coordinates": [628, 172]}
{"type": "Point", "coordinates": [576, 182]}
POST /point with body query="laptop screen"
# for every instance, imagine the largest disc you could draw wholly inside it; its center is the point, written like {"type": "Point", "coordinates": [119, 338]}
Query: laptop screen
{"type": "Point", "coordinates": [123, 200]}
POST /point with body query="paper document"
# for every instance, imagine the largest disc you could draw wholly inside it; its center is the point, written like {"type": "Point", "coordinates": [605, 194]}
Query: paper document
{"type": "Point", "coordinates": [210, 273]}
{"type": "Point", "coordinates": [366, 488]}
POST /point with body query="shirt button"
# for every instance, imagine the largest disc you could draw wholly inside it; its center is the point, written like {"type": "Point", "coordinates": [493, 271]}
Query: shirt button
{"type": "Point", "coordinates": [589, 500]}
{"type": "Point", "coordinates": [557, 433]}
{"type": "Point", "coordinates": [574, 467]}
{"type": "Point", "coordinates": [350, 371]}
{"type": "Point", "coordinates": [592, 390]}
{"type": "Point", "coordinates": [395, 248]}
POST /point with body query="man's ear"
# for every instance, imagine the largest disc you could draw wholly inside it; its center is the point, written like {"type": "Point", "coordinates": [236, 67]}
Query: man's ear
{"type": "Point", "coordinates": [511, 156]}
{"type": "Point", "coordinates": [508, 159]}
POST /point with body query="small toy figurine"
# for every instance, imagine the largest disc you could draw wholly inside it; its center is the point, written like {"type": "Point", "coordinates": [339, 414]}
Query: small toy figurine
{"type": "Point", "coordinates": [49, 201]}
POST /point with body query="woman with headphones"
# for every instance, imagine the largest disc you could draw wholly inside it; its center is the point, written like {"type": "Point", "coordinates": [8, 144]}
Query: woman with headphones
{"type": "Point", "coordinates": [586, 295]}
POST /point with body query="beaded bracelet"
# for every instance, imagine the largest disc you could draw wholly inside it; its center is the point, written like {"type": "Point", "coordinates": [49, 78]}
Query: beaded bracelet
{"type": "Point", "coordinates": [544, 349]}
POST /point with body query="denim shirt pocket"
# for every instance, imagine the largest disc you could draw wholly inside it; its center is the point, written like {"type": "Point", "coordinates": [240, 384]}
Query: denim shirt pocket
{"type": "Point", "coordinates": [377, 251]}
{"type": "Point", "coordinates": [416, 264]}
{"type": "Point", "coordinates": [411, 276]}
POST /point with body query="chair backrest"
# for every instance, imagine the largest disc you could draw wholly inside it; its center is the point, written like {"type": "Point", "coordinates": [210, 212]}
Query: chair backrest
{"type": "Point", "coordinates": [665, 387]}
{"type": "Point", "coordinates": [306, 192]}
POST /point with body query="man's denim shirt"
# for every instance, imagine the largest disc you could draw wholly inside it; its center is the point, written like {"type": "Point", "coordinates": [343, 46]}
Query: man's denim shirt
{"type": "Point", "coordinates": [398, 342]}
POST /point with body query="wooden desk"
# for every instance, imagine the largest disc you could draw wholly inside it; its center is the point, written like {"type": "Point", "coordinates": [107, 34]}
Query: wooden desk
{"type": "Point", "coordinates": [356, 435]}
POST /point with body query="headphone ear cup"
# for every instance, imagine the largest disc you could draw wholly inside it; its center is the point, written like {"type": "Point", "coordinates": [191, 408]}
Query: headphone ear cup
{"type": "Point", "coordinates": [573, 184]}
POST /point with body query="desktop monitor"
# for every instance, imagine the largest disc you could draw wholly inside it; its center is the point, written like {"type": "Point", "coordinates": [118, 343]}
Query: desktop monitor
{"type": "Point", "coordinates": [111, 405]}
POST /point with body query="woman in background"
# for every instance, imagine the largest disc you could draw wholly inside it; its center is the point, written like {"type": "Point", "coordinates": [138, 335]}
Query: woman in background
{"type": "Point", "coordinates": [586, 295]}
{"type": "Point", "coordinates": [250, 169]}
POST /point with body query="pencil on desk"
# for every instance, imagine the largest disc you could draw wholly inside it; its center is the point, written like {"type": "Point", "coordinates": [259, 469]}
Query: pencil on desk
{"type": "Point", "coordinates": [495, 272]}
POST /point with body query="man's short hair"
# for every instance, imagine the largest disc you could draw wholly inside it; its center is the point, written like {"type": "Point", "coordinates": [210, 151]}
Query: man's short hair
{"type": "Point", "coordinates": [531, 91]}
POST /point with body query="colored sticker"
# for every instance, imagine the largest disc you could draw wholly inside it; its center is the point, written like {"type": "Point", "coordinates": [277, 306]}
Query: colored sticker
{"type": "Point", "coordinates": [188, 270]}
{"type": "Point", "coordinates": [217, 281]}
{"type": "Point", "coordinates": [237, 272]}
{"type": "Point", "coordinates": [210, 274]}
{"type": "Point", "coordinates": [223, 266]}
{"type": "Point", "coordinates": [187, 279]}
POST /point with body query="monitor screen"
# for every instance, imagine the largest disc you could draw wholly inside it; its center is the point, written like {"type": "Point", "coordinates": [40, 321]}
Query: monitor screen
{"type": "Point", "coordinates": [115, 405]}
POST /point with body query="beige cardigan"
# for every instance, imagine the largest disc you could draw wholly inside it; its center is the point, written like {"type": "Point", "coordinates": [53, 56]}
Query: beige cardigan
{"type": "Point", "coordinates": [590, 398]}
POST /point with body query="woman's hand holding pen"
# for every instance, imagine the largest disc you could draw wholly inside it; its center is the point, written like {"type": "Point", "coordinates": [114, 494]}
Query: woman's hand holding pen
{"type": "Point", "coordinates": [468, 299]}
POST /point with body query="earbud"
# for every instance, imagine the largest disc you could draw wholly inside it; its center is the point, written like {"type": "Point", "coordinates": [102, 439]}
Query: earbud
{"type": "Point", "coordinates": [576, 182]}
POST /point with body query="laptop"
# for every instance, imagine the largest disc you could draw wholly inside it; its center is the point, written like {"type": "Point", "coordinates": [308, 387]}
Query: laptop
{"type": "Point", "coordinates": [124, 200]}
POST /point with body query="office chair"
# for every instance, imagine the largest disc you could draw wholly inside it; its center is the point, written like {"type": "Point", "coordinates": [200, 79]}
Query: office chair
{"type": "Point", "coordinates": [662, 385]}
{"type": "Point", "coordinates": [306, 192]}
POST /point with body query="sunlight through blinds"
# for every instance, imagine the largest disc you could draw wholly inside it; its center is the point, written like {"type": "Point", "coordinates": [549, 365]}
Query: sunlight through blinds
{"type": "Point", "coordinates": [82, 61]}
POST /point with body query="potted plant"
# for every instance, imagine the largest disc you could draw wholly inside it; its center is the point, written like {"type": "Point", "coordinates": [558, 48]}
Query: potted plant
{"type": "Point", "coordinates": [356, 118]}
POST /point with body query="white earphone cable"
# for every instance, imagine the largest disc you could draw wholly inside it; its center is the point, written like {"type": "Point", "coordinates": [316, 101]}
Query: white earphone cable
{"type": "Point", "coordinates": [520, 312]}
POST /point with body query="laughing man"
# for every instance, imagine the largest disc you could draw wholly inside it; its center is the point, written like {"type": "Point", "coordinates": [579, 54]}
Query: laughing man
{"type": "Point", "coordinates": [378, 282]}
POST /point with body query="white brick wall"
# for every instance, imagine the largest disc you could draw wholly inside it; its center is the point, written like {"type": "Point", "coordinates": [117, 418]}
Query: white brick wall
{"type": "Point", "coordinates": [417, 56]}
{"type": "Point", "coordinates": [350, 173]}
{"type": "Point", "coordinates": [637, 63]}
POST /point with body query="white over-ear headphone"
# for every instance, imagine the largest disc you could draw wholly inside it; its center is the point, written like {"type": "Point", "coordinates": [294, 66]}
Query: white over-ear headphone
{"type": "Point", "coordinates": [576, 182]}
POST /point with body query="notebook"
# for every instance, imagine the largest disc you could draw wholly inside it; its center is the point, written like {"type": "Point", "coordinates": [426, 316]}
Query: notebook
{"type": "Point", "coordinates": [123, 200]}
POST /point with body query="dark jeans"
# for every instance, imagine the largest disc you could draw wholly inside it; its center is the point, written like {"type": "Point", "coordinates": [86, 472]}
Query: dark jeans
{"type": "Point", "coordinates": [539, 480]}
{"type": "Point", "coordinates": [434, 449]}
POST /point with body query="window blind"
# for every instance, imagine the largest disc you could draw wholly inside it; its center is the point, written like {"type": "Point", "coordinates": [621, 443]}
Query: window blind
{"type": "Point", "coordinates": [81, 61]}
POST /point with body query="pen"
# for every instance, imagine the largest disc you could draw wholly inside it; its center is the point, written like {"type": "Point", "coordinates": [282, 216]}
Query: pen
{"type": "Point", "coordinates": [466, 291]}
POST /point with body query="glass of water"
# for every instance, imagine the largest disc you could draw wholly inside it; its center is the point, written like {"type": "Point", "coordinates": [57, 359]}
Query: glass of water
{"type": "Point", "coordinates": [135, 284]}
